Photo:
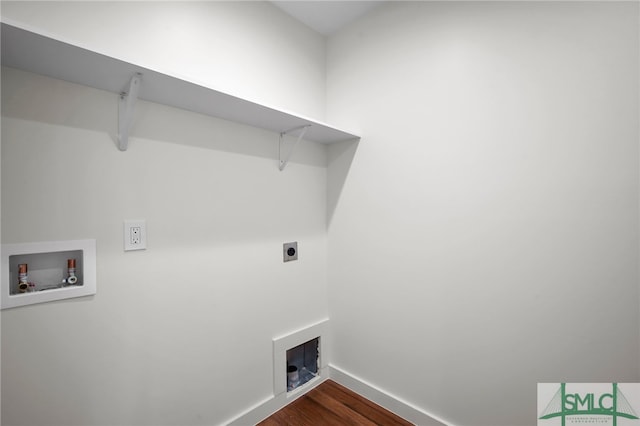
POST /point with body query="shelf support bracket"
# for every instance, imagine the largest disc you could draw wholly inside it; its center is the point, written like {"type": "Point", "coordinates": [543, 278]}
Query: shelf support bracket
{"type": "Point", "coordinates": [285, 161]}
{"type": "Point", "coordinates": [126, 105]}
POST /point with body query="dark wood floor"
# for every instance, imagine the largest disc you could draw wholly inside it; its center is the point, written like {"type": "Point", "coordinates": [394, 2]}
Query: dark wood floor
{"type": "Point", "coordinates": [332, 404]}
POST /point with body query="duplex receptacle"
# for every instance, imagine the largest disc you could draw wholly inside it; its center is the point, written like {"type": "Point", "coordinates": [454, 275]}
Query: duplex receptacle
{"type": "Point", "coordinates": [135, 235]}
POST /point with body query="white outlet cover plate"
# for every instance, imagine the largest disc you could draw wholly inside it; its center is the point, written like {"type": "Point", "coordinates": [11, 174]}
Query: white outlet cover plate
{"type": "Point", "coordinates": [128, 245]}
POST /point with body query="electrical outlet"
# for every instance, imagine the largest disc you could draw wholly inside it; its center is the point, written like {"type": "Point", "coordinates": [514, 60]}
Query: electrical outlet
{"type": "Point", "coordinates": [290, 251]}
{"type": "Point", "coordinates": [135, 235]}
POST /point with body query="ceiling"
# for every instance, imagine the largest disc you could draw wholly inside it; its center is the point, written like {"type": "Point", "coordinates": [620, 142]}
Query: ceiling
{"type": "Point", "coordinates": [327, 17]}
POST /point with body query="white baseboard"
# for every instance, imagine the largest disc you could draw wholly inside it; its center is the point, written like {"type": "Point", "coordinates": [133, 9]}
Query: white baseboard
{"type": "Point", "coordinates": [384, 399]}
{"type": "Point", "coordinates": [264, 409]}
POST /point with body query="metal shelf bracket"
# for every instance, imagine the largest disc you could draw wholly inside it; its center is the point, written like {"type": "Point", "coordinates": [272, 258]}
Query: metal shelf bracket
{"type": "Point", "coordinates": [126, 105]}
{"type": "Point", "coordinates": [285, 161]}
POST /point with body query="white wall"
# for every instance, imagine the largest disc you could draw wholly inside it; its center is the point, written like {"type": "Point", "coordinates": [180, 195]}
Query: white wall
{"type": "Point", "coordinates": [485, 237]}
{"type": "Point", "coordinates": [180, 333]}
{"type": "Point", "coordinates": [250, 49]}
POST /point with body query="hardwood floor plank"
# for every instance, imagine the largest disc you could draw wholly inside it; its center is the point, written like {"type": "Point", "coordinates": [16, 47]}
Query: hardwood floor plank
{"type": "Point", "coordinates": [344, 412]}
{"type": "Point", "coordinates": [331, 404]}
{"type": "Point", "coordinates": [271, 421]}
{"type": "Point", "coordinates": [310, 409]}
{"type": "Point", "coordinates": [366, 408]}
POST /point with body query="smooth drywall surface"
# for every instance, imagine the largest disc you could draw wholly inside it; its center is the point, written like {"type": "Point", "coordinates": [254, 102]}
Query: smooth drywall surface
{"type": "Point", "coordinates": [485, 237]}
{"type": "Point", "coordinates": [249, 49]}
{"type": "Point", "coordinates": [178, 334]}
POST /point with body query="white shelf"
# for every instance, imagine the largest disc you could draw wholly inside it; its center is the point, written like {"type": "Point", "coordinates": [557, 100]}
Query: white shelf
{"type": "Point", "coordinates": [40, 54]}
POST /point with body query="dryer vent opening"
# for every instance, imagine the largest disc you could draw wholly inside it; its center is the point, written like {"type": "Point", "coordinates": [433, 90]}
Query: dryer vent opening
{"type": "Point", "coordinates": [302, 363]}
